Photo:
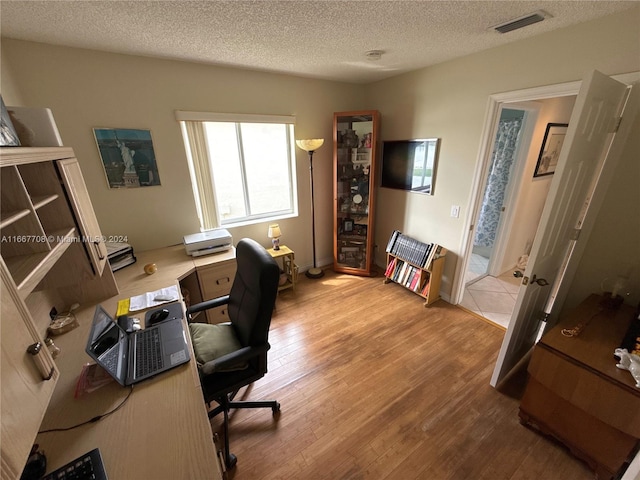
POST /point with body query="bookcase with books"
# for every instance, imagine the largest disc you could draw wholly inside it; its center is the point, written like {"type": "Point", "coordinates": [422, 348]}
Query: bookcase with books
{"type": "Point", "coordinates": [415, 265]}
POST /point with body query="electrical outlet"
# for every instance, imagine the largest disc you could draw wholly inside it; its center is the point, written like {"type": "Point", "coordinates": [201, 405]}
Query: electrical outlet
{"type": "Point", "coordinates": [455, 211]}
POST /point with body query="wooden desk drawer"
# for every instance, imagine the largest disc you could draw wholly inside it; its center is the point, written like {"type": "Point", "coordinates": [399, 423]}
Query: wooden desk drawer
{"type": "Point", "coordinates": [218, 315]}
{"type": "Point", "coordinates": [216, 280]}
{"type": "Point", "coordinates": [592, 393]}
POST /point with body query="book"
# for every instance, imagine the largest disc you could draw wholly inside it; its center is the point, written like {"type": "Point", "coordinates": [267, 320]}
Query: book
{"type": "Point", "coordinates": [390, 267]}
{"type": "Point", "coordinates": [432, 252]}
{"type": "Point", "coordinates": [399, 267]}
{"type": "Point", "coordinates": [392, 241]}
{"type": "Point", "coordinates": [415, 281]}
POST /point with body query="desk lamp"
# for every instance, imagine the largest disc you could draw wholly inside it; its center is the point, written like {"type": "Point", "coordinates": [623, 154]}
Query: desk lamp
{"type": "Point", "coordinates": [275, 234]}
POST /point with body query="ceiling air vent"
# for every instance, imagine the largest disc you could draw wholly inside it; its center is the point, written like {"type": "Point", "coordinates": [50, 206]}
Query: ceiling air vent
{"type": "Point", "coordinates": [521, 22]}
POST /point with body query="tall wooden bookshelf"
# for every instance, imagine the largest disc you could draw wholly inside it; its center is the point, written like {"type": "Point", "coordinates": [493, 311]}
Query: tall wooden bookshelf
{"type": "Point", "coordinates": [415, 265]}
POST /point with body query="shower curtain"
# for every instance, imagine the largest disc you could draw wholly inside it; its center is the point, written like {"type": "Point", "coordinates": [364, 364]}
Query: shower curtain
{"type": "Point", "coordinates": [504, 153]}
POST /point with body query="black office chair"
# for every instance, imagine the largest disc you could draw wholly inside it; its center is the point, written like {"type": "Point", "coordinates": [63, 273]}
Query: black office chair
{"type": "Point", "coordinates": [233, 355]}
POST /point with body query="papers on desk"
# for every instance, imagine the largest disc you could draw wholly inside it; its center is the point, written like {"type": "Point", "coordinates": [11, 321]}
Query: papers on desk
{"type": "Point", "coordinates": [153, 299]}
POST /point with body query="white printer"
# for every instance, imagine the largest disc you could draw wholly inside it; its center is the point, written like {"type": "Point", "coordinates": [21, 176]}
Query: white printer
{"type": "Point", "coordinates": [211, 241]}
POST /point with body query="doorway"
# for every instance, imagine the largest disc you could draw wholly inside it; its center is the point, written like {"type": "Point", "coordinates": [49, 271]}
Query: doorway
{"type": "Point", "coordinates": [508, 211]}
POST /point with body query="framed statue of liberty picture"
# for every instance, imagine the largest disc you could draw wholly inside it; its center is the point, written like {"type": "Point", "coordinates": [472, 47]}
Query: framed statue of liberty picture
{"type": "Point", "coordinates": [128, 157]}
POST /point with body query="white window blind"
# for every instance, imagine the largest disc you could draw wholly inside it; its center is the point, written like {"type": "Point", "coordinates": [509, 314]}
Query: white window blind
{"type": "Point", "coordinates": [242, 166]}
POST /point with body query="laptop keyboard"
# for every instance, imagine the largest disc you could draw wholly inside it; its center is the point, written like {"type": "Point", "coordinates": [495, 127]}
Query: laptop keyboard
{"type": "Point", "coordinates": [148, 352]}
{"type": "Point", "coordinates": [86, 467]}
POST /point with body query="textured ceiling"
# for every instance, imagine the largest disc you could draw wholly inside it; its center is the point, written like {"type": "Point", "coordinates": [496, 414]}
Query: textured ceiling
{"type": "Point", "coordinates": [320, 39]}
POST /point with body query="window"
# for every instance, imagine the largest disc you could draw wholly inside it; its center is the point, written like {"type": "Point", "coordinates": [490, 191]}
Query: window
{"type": "Point", "coordinates": [241, 167]}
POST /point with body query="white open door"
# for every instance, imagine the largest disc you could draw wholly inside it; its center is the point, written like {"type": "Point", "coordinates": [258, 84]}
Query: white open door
{"type": "Point", "coordinates": [589, 136]}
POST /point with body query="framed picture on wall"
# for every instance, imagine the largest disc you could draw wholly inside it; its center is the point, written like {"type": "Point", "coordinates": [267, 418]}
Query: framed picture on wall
{"type": "Point", "coordinates": [550, 149]}
{"type": "Point", "coordinates": [128, 157]}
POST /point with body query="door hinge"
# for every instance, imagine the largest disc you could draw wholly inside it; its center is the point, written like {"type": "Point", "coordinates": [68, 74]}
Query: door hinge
{"type": "Point", "coordinates": [575, 234]}
{"type": "Point", "coordinates": [544, 317]}
{"type": "Point", "coordinates": [616, 124]}
{"type": "Point", "coordinates": [471, 228]}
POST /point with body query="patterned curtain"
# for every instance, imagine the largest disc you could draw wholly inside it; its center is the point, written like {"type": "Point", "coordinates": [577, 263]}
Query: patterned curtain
{"type": "Point", "coordinates": [504, 153]}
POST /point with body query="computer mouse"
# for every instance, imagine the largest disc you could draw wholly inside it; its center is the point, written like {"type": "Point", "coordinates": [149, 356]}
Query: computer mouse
{"type": "Point", "coordinates": [158, 316]}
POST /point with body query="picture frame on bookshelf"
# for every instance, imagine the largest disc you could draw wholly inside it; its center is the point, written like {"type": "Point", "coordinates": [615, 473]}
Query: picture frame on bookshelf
{"type": "Point", "coordinates": [347, 225]}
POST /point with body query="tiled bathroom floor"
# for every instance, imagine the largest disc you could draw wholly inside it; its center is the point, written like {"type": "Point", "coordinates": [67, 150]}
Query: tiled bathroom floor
{"type": "Point", "coordinates": [493, 297]}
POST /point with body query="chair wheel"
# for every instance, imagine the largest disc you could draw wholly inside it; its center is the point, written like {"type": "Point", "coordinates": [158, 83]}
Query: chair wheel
{"type": "Point", "coordinates": [276, 408]}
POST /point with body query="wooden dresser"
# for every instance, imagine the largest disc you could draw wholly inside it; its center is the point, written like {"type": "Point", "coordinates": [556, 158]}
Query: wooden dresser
{"type": "Point", "coordinates": [576, 393]}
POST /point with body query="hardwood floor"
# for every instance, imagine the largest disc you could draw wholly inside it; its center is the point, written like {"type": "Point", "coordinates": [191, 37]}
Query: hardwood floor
{"type": "Point", "coordinates": [375, 386]}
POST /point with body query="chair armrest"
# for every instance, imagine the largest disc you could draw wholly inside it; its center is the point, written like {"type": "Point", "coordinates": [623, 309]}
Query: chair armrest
{"type": "Point", "coordinates": [208, 304]}
{"type": "Point", "coordinates": [233, 359]}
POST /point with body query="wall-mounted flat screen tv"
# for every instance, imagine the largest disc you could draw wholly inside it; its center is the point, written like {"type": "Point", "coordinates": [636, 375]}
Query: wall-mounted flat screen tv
{"type": "Point", "coordinates": [410, 164]}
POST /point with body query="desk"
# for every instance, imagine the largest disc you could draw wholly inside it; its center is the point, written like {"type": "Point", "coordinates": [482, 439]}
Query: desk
{"type": "Point", "coordinates": [576, 394]}
{"type": "Point", "coordinates": [162, 431]}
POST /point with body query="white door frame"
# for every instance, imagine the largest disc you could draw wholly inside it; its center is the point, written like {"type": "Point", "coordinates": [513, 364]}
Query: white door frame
{"type": "Point", "coordinates": [492, 115]}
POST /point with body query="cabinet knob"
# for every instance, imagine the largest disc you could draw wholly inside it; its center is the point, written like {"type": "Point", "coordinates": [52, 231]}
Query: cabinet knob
{"type": "Point", "coordinates": [34, 350]}
{"type": "Point", "coordinates": [96, 244]}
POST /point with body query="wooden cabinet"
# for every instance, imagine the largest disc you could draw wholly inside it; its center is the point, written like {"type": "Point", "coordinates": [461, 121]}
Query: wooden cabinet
{"type": "Point", "coordinates": [576, 394]}
{"type": "Point", "coordinates": [46, 213]}
{"type": "Point", "coordinates": [355, 138]}
{"type": "Point", "coordinates": [25, 389]}
{"type": "Point", "coordinates": [46, 222]}
{"type": "Point", "coordinates": [215, 277]}
{"type": "Point", "coordinates": [81, 203]}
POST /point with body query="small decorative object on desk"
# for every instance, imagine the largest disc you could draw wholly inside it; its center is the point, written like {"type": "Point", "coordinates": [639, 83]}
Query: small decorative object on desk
{"type": "Point", "coordinates": [614, 289]}
{"type": "Point", "coordinates": [54, 350]}
{"type": "Point", "coordinates": [150, 268]}
{"type": "Point", "coordinates": [629, 361]}
{"type": "Point", "coordinates": [64, 322]}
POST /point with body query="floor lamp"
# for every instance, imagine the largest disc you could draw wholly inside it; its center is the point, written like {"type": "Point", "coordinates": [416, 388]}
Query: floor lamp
{"type": "Point", "coordinates": [311, 146]}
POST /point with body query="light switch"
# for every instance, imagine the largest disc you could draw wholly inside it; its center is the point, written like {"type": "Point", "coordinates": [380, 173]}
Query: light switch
{"type": "Point", "coordinates": [455, 211]}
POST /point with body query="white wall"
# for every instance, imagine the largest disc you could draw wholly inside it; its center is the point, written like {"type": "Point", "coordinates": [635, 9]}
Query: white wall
{"type": "Point", "coordinates": [87, 89]}
{"type": "Point", "coordinates": [449, 101]}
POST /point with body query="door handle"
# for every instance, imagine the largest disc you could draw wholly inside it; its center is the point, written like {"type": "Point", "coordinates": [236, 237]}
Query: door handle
{"type": "Point", "coordinates": [540, 281]}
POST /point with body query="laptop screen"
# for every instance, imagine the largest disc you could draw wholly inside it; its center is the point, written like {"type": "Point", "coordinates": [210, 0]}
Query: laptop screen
{"type": "Point", "coordinates": [106, 343]}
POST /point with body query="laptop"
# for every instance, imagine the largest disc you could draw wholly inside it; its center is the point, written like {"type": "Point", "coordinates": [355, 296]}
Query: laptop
{"type": "Point", "coordinates": [132, 357]}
